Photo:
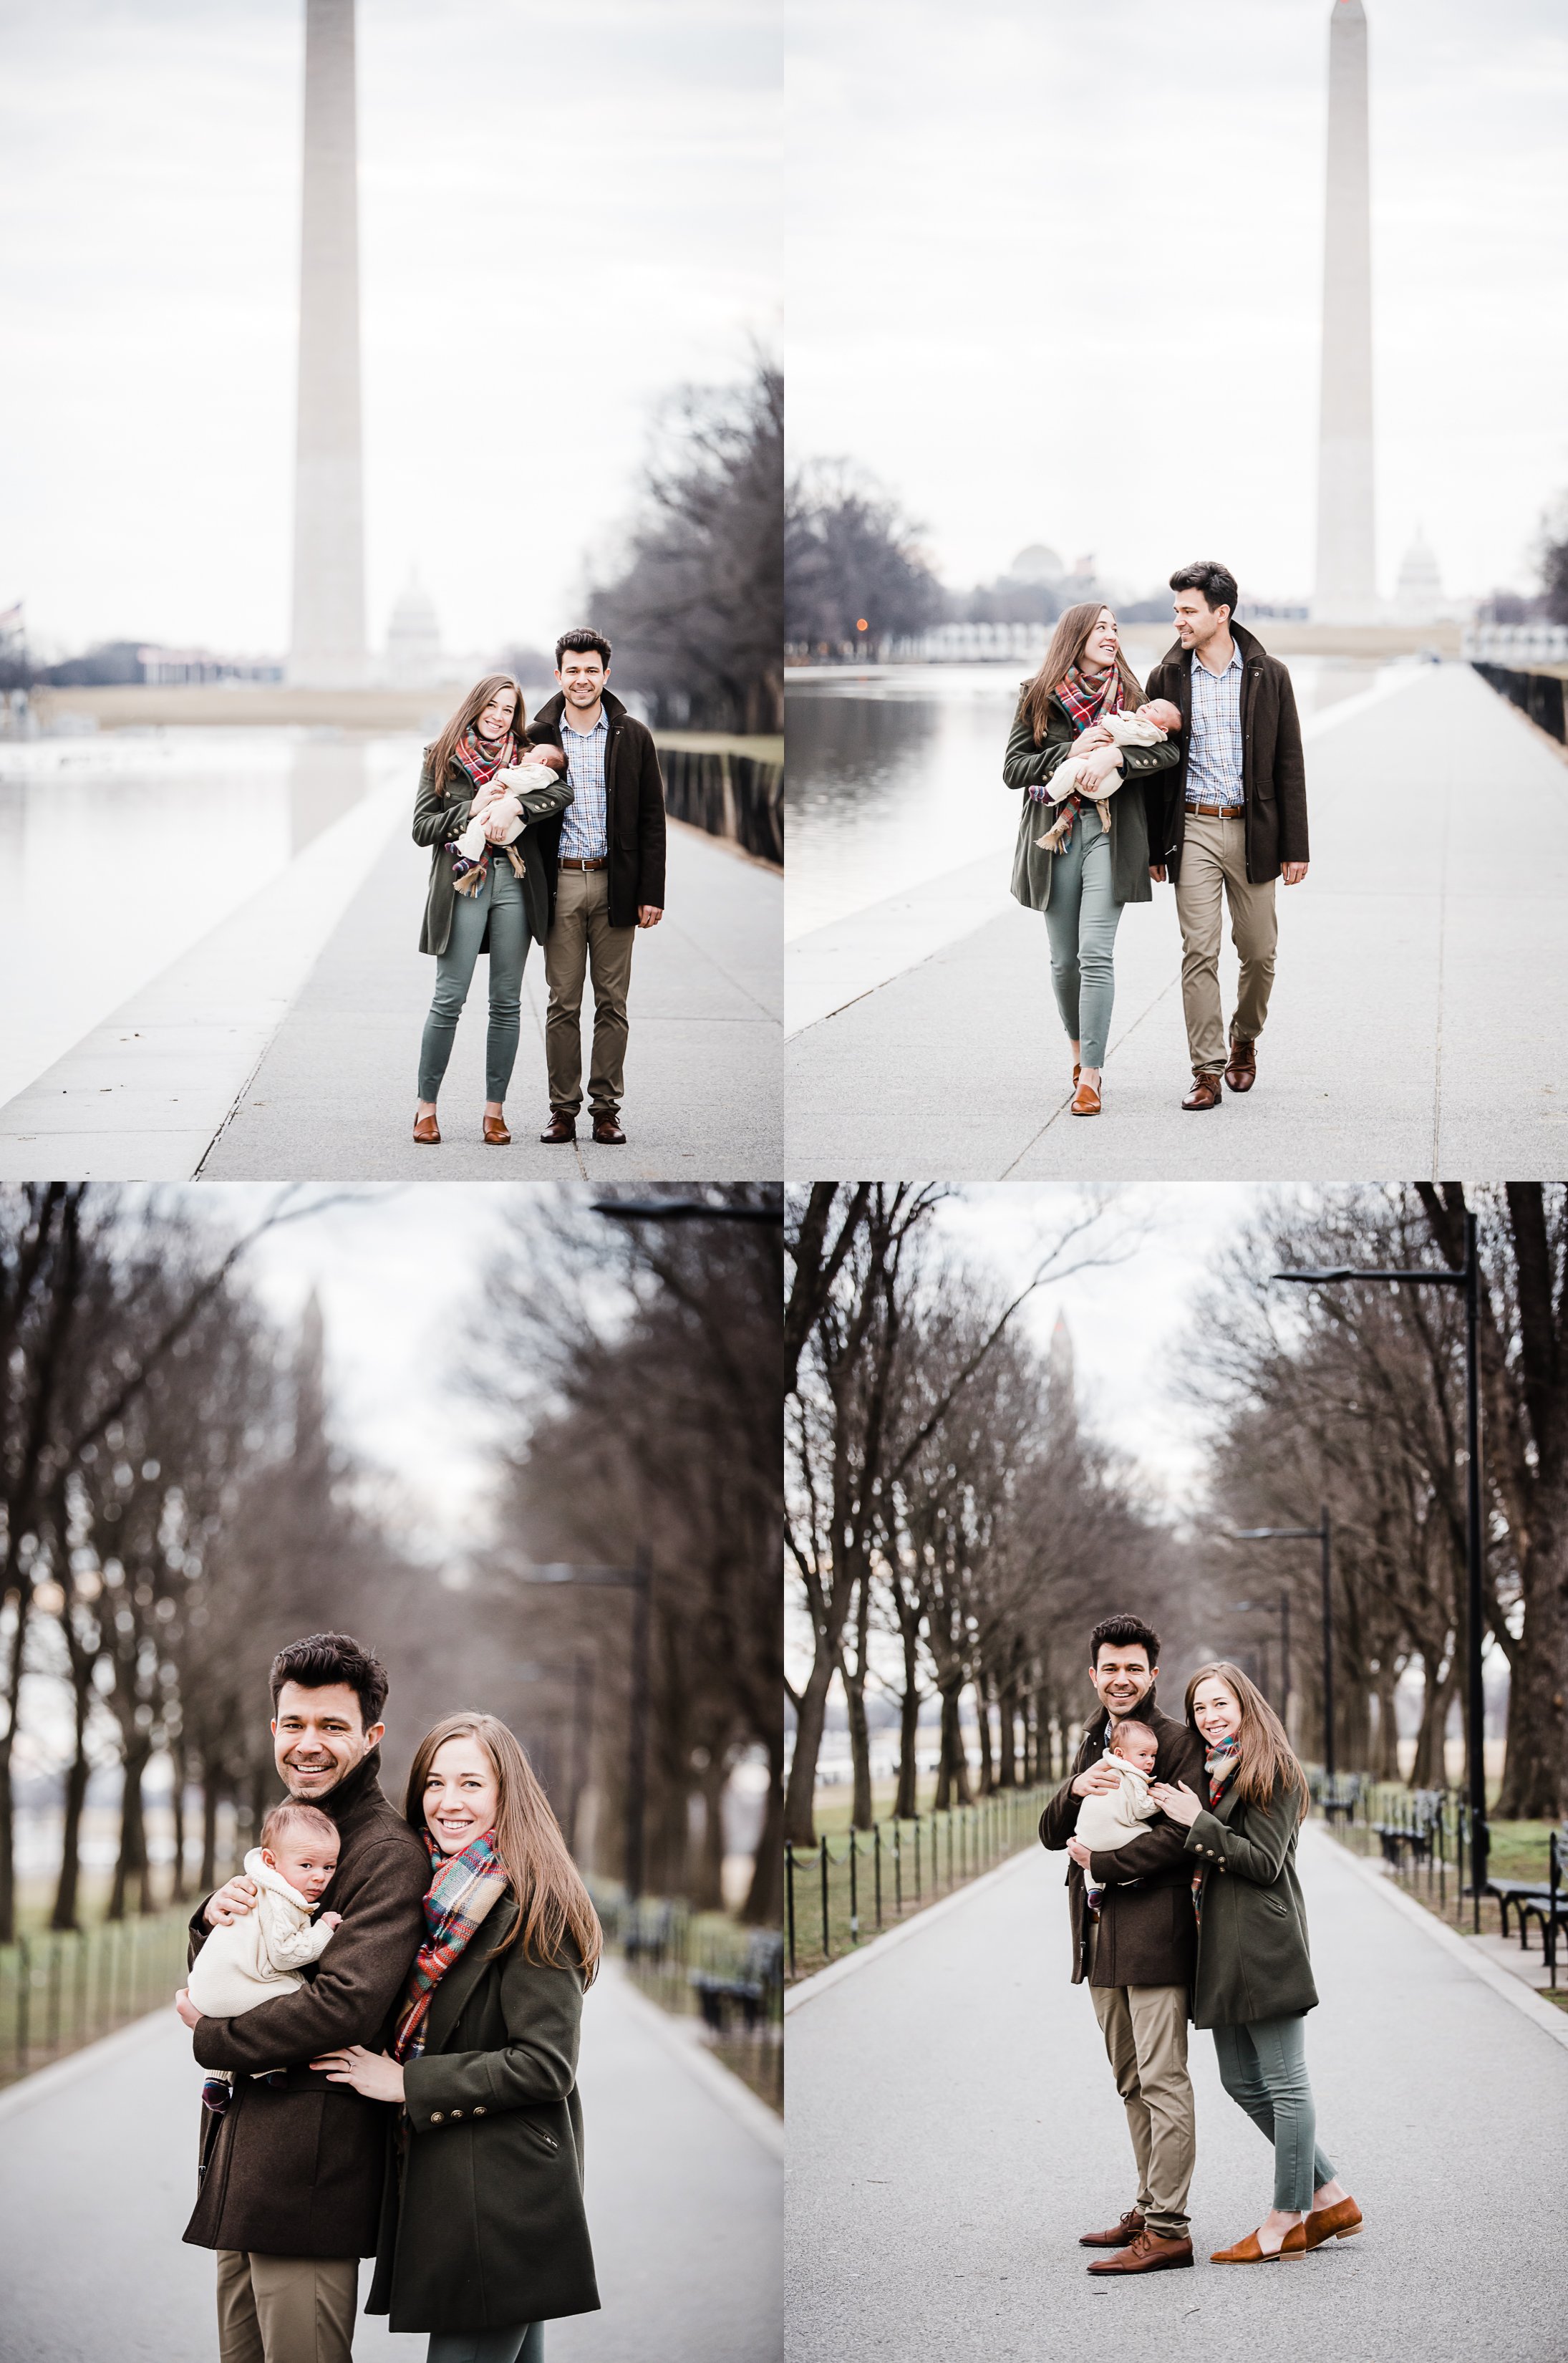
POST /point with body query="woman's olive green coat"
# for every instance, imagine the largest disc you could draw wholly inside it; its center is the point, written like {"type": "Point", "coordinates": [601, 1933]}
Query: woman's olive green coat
{"type": "Point", "coordinates": [1253, 1961]}
{"type": "Point", "coordinates": [1025, 765]}
{"type": "Point", "coordinates": [442, 813]}
{"type": "Point", "coordinates": [482, 2221]}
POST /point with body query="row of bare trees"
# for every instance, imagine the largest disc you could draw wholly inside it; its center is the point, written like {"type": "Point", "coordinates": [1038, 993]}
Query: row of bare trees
{"type": "Point", "coordinates": [177, 1501]}
{"type": "Point", "coordinates": [950, 1527]}
{"type": "Point", "coordinates": [1352, 1396]}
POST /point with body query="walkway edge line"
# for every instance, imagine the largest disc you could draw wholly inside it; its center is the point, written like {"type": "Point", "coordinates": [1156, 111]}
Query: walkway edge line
{"type": "Point", "coordinates": [42, 2084]}
{"type": "Point", "coordinates": [1551, 2020]}
{"type": "Point", "coordinates": [738, 2099]}
{"type": "Point", "coordinates": [809, 1988]}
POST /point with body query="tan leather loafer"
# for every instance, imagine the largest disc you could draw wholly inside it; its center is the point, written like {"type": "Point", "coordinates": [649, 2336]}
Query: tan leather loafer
{"type": "Point", "coordinates": [1336, 2222]}
{"type": "Point", "coordinates": [1121, 2236]}
{"type": "Point", "coordinates": [427, 1131]}
{"type": "Point", "coordinates": [1085, 1101]}
{"type": "Point", "coordinates": [1150, 2252]}
{"type": "Point", "coordinates": [495, 1132]}
{"type": "Point", "coordinates": [1077, 1070]}
{"type": "Point", "coordinates": [1205, 1093]}
{"type": "Point", "coordinates": [1247, 2251]}
{"type": "Point", "coordinates": [1242, 1071]}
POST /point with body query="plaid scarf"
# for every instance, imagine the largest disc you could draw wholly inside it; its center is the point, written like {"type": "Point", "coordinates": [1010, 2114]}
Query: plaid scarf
{"type": "Point", "coordinates": [1086, 701]}
{"type": "Point", "coordinates": [480, 759]}
{"type": "Point", "coordinates": [1219, 1762]}
{"type": "Point", "coordinates": [464, 1887]}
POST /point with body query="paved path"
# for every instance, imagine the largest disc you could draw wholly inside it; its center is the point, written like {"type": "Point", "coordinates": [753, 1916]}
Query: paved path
{"type": "Point", "coordinates": [252, 1060]}
{"type": "Point", "coordinates": [1420, 1014]}
{"type": "Point", "coordinates": [96, 2182]}
{"type": "Point", "coordinates": [952, 2128]}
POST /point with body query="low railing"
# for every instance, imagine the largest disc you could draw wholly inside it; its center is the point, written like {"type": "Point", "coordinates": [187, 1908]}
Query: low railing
{"type": "Point", "coordinates": [728, 795]}
{"type": "Point", "coordinates": [1538, 696]}
{"type": "Point", "coordinates": [703, 1964]}
{"type": "Point", "coordinates": [60, 1990]}
{"type": "Point", "coordinates": [843, 1891]}
{"type": "Point", "coordinates": [1517, 644]}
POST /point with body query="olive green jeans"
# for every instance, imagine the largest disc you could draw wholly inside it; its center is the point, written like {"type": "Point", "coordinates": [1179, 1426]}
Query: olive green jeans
{"type": "Point", "coordinates": [1264, 2068]}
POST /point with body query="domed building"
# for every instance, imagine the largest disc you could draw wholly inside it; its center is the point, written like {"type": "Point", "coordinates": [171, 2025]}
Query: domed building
{"type": "Point", "coordinates": [1038, 563]}
{"type": "Point", "coordinates": [414, 639]}
{"type": "Point", "coordinates": [1418, 593]}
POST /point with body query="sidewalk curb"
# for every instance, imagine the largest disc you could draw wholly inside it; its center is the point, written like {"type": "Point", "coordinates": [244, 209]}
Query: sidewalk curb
{"type": "Point", "coordinates": [44, 2082]}
{"type": "Point", "coordinates": [809, 1988]}
{"type": "Point", "coordinates": [741, 2103]}
{"type": "Point", "coordinates": [1551, 2021]}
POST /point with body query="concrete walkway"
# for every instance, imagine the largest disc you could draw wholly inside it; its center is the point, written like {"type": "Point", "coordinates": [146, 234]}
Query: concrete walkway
{"type": "Point", "coordinates": [1419, 1025]}
{"type": "Point", "coordinates": [953, 2128]}
{"type": "Point", "coordinates": [252, 1058]}
{"type": "Point", "coordinates": [97, 2182]}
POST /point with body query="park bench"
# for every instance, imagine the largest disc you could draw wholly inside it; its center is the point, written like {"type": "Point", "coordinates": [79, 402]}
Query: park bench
{"type": "Point", "coordinates": [1415, 1835]}
{"type": "Point", "coordinates": [718, 1996]}
{"type": "Point", "coordinates": [648, 1929]}
{"type": "Point", "coordinates": [1340, 1797]}
{"type": "Point", "coordinates": [1545, 1903]}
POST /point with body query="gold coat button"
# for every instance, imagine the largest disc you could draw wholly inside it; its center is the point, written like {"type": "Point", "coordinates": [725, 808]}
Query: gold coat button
{"type": "Point", "coordinates": [479, 2113]}
{"type": "Point", "coordinates": [437, 2117]}
{"type": "Point", "coordinates": [456, 2114]}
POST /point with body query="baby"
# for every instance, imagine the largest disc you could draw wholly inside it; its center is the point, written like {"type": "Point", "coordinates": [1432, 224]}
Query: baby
{"type": "Point", "coordinates": [1109, 1820]}
{"type": "Point", "coordinates": [1145, 727]}
{"type": "Point", "coordinates": [535, 772]}
{"type": "Point", "coordinates": [251, 1960]}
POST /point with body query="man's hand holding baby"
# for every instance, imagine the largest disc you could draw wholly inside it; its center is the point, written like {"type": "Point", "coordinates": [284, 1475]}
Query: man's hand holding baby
{"type": "Point", "coordinates": [1098, 1782]}
{"type": "Point", "coordinates": [231, 1903]}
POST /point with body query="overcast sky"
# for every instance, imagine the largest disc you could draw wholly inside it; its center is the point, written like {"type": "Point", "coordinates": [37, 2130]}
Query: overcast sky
{"type": "Point", "coordinates": [973, 188]}
{"type": "Point", "coordinates": [564, 212]}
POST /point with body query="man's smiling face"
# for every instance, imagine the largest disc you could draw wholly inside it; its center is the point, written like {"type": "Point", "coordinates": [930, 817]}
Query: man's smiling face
{"type": "Point", "coordinates": [1123, 1676]}
{"type": "Point", "coordinates": [318, 1737]}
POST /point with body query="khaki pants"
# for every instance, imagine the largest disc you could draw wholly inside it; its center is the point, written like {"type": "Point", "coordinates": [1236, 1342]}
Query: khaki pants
{"type": "Point", "coordinates": [286, 2309]}
{"type": "Point", "coordinates": [1145, 2040]}
{"type": "Point", "coordinates": [1214, 871]}
{"type": "Point", "coordinates": [581, 942]}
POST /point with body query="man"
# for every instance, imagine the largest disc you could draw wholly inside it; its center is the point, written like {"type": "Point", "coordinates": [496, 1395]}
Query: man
{"type": "Point", "coordinates": [607, 880]}
{"type": "Point", "coordinates": [1235, 819]}
{"type": "Point", "coordinates": [292, 2172]}
{"type": "Point", "coordinates": [1139, 1950]}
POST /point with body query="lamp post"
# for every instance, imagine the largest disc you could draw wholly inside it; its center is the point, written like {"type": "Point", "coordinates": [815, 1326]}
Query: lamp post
{"type": "Point", "coordinates": [1323, 1533]}
{"type": "Point", "coordinates": [1280, 1608]}
{"type": "Point", "coordinates": [1466, 1276]}
{"type": "Point", "coordinates": [635, 1580]}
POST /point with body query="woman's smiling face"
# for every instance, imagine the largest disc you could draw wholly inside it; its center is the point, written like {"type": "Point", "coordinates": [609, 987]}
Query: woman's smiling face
{"type": "Point", "coordinates": [1216, 1710]}
{"type": "Point", "coordinates": [1099, 649]}
{"type": "Point", "coordinates": [496, 719]}
{"type": "Point", "coordinates": [462, 1793]}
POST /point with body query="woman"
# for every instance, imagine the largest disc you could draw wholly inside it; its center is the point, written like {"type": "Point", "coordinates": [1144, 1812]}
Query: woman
{"type": "Point", "coordinates": [483, 2234]}
{"type": "Point", "coordinates": [1082, 888]}
{"type": "Point", "coordinates": [508, 907]}
{"type": "Point", "coordinates": [1254, 1980]}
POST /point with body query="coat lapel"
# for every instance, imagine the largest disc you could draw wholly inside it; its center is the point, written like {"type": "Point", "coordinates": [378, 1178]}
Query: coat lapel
{"type": "Point", "coordinates": [447, 2002]}
{"type": "Point", "coordinates": [1227, 1806]}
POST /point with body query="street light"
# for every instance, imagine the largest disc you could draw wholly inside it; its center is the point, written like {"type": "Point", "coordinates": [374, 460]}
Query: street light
{"type": "Point", "coordinates": [1280, 1607]}
{"type": "Point", "coordinates": [1466, 1276]}
{"type": "Point", "coordinates": [635, 1579]}
{"type": "Point", "coordinates": [1323, 1535]}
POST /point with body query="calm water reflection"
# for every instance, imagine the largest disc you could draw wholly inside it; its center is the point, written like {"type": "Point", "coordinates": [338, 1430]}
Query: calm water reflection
{"type": "Point", "coordinates": [120, 851]}
{"type": "Point", "coordinates": [895, 777]}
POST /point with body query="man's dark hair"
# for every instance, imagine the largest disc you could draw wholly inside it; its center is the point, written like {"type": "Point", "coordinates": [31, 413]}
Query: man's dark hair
{"type": "Point", "coordinates": [582, 639]}
{"type": "Point", "coordinates": [325, 1658]}
{"type": "Point", "coordinates": [1216, 583]}
{"type": "Point", "coordinates": [1123, 1633]}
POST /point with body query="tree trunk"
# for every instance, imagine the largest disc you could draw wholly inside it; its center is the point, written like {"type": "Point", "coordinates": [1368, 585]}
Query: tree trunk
{"type": "Point", "coordinates": [983, 1716]}
{"type": "Point", "coordinates": [1387, 1749]}
{"type": "Point", "coordinates": [67, 1891]}
{"type": "Point", "coordinates": [810, 1719]}
{"type": "Point", "coordinates": [764, 1906]}
{"type": "Point", "coordinates": [7, 1742]}
{"type": "Point", "coordinates": [206, 1879]}
{"type": "Point", "coordinates": [1530, 1790]}
{"type": "Point", "coordinates": [177, 1808]}
{"type": "Point", "coordinates": [131, 1861]}
{"type": "Point", "coordinates": [1006, 1736]}
{"type": "Point", "coordinates": [906, 1804]}
{"type": "Point", "coordinates": [1428, 1768]}
{"type": "Point", "coordinates": [708, 1885]}
{"type": "Point", "coordinates": [952, 1765]}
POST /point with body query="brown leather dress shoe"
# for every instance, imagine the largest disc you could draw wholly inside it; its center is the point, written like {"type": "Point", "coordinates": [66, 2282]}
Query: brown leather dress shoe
{"type": "Point", "coordinates": [1205, 1093]}
{"type": "Point", "coordinates": [495, 1132]}
{"type": "Point", "coordinates": [607, 1129]}
{"type": "Point", "coordinates": [1247, 2251]}
{"type": "Point", "coordinates": [1121, 2236]}
{"type": "Point", "coordinates": [1242, 1071]}
{"type": "Point", "coordinates": [1335, 2223]}
{"type": "Point", "coordinates": [561, 1127]}
{"type": "Point", "coordinates": [1085, 1101]}
{"type": "Point", "coordinates": [427, 1131]}
{"type": "Point", "coordinates": [1150, 2252]}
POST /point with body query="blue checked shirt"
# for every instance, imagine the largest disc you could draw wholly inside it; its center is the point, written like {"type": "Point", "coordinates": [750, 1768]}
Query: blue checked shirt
{"type": "Point", "coordinates": [585, 831]}
{"type": "Point", "coordinates": [1214, 748]}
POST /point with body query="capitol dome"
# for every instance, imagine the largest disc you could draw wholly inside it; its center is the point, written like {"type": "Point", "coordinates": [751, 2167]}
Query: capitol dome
{"type": "Point", "coordinates": [1418, 593]}
{"type": "Point", "coordinates": [414, 639]}
{"type": "Point", "coordinates": [1038, 563]}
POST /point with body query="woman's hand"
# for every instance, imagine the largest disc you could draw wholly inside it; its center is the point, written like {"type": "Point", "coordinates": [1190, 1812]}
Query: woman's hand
{"type": "Point", "coordinates": [1179, 1804]}
{"type": "Point", "coordinates": [1099, 766]}
{"type": "Point", "coordinates": [1097, 734]}
{"type": "Point", "coordinates": [375, 2073]}
{"type": "Point", "coordinates": [1079, 1853]}
{"type": "Point", "coordinates": [187, 2008]}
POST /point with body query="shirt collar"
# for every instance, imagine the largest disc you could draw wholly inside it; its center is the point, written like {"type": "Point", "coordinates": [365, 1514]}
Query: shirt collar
{"type": "Point", "coordinates": [601, 724]}
{"type": "Point", "coordinates": [1234, 665]}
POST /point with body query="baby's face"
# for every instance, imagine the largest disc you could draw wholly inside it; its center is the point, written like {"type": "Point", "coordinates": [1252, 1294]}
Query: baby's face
{"type": "Point", "coordinates": [307, 1865]}
{"type": "Point", "coordinates": [1162, 713]}
{"type": "Point", "coordinates": [1141, 1753]}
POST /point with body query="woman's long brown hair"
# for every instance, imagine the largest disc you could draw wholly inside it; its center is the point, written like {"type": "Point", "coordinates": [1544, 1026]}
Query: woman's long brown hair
{"type": "Point", "coordinates": [443, 748]}
{"type": "Point", "coordinates": [552, 1901]}
{"type": "Point", "coordinates": [1267, 1759]}
{"type": "Point", "coordinates": [1067, 644]}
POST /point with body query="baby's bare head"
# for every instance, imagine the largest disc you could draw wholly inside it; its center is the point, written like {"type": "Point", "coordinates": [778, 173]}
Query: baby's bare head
{"type": "Point", "coordinates": [1161, 712]}
{"type": "Point", "coordinates": [301, 1843]}
{"type": "Point", "coordinates": [1135, 1742]}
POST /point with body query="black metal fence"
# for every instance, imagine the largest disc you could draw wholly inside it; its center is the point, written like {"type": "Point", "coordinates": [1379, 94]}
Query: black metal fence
{"type": "Point", "coordinates": [1538, 695]}
{"type": "Point", "coordinates": [730, 795]}
{"type": "Point", "coordinates": [702, 1964]}
{"type": "Point", "coordinates": [58, 1992]}
{"type": "Point", "coordinates": [843, 1891]}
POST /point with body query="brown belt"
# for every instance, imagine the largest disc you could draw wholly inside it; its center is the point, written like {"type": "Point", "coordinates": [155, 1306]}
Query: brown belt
{"type": "Point", "coordinates": [1217, 811]}
{"type": "Point", "coordinates": [571, 861]}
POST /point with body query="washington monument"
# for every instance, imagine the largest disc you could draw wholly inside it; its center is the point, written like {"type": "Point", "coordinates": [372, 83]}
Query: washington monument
{"type": "Point", "coordinates": [1346, 588]}
{"type": "Point", "coordinates": [326, 639]}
